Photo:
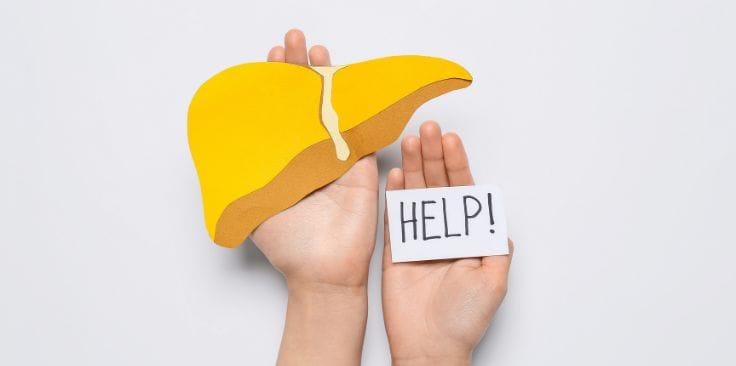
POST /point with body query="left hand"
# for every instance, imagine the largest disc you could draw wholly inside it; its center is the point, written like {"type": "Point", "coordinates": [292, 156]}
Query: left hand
{"type": "Point", "coordinates": [436, 312]}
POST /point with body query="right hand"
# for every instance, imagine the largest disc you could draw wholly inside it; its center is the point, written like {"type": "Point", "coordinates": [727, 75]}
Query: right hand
{"type": "Point", "coordinates": [436, 312]}
{"type": "Point", "coordinates": [325, 240]}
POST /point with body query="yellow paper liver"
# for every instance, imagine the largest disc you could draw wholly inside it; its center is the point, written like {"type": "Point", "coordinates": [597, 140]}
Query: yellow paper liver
{"type": "Point", "coordinates": [248, 122]}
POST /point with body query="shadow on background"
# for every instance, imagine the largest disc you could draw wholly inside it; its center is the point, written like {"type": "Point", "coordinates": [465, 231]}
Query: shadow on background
{"type": "Point", "coordinates": [252, 261]}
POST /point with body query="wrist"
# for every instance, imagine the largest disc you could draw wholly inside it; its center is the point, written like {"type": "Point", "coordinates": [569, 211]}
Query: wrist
{"type": "Point", "coordinates": [450, 360]}
{"type": "Point", "coordinates": [325, 324]}
{"type": "Point", "coordinates": [329, 305]}
{"type": "Point", "coordinates": [316, 289]}
{"type": "Point", "coordinates": [328, 275]}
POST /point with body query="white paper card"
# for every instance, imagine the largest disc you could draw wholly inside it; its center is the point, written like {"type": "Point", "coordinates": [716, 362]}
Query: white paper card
{"type": "Point", "coordinates": [447, 222]}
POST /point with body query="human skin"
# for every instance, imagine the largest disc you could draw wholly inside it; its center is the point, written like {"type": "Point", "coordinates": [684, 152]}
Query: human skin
{"type": "Point", "coordinates": [436, 312]}
{"type": "Point", "coordinates": [322, 246]}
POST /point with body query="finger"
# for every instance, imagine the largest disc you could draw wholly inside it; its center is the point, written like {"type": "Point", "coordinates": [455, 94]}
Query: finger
{"type": "Point", "coordinates": [497, 266]}
{"type": "Point", "coordinates": [456, 160]}
{"type": "Point", "coordinates": [363, 174]}
{"type": "Point", "coordinates": [433, 158]}
{"type": "Point", "coordinates": [296, 47]}
{"type": "Point", "coordinates": [411, 157]}
{"type": "Point", "coordinates": [395, 180]}
{"type": "Point", "coordinates": [276, 54]}
{"type": "Point", "coordinates": [319, 56]}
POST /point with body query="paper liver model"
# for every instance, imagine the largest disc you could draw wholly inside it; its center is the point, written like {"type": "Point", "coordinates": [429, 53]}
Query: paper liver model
{"type": "Point", "coordinates": [265, 135]}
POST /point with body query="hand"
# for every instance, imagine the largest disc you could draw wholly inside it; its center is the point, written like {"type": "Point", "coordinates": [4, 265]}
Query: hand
{"type": "Point", "coordinates": [328, 237]}
{"type": "Point", "coordinates": [323, 246]}
{"type": "Point", "coordinates": [436, 312]}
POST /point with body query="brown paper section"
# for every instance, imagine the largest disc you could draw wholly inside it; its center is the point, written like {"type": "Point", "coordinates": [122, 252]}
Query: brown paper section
{"type": "Point", "coordinates": [317, 166]}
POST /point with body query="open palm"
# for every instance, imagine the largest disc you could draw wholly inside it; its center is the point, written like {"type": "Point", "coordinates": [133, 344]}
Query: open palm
{"type": "Point", "coordinates": [328, 237]}
{"type": "Point", "coordinates": [438, 310]}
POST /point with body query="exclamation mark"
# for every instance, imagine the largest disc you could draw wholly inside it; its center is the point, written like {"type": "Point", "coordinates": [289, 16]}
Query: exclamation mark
{"type": "Point", "coordinates": [490, 212]}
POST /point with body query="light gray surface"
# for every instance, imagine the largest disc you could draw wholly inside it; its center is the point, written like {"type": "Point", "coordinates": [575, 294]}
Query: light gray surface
{"type": "Point", "coordinates": [610, 125]}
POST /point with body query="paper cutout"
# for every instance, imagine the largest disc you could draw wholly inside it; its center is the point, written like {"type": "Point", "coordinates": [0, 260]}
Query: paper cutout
{"type": "Point", "coordinates": [329, 116]}
{"type": "Point", "coordinates": [448, 222]}
{"type": "Point", "coordinates": [258, 132]}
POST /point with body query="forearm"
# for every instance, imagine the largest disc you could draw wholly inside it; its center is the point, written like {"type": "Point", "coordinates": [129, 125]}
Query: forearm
{"type": "Point", "coordinates": [325, 325]}
{"type": "Point", "coordinates": [460, 360]}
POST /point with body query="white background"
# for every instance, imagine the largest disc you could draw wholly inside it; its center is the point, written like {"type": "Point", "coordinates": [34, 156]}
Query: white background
{"type": "Point", "coordinates": [609, 124]}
